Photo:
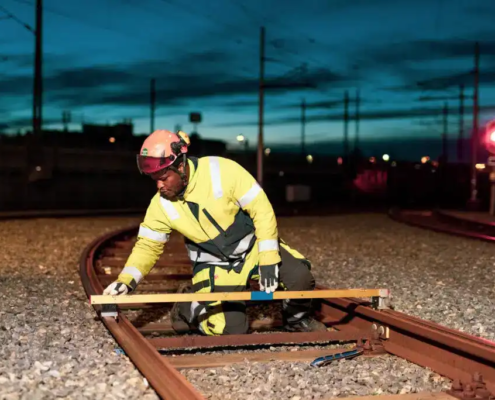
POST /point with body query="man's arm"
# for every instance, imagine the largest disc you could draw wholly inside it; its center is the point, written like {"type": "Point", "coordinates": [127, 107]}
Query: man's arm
{"type": "Point", "coordinates": [253, 199]}
{"type": "Point", "coordinates": [154, 232]}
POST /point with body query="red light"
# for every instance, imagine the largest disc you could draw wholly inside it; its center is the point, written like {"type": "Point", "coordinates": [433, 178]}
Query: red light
{"type": "Point", "coordinates": [489, 137]}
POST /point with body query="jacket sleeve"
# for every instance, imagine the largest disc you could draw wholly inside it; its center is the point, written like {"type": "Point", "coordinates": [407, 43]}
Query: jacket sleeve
{"type": "Point", "coordinates": [249, 195]}
{"type": "Point", "coordinates": [154, 232]}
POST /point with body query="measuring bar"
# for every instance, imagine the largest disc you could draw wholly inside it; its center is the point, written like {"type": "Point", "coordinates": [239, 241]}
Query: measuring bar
{"type": "Point", "coordinates": [237, 296]}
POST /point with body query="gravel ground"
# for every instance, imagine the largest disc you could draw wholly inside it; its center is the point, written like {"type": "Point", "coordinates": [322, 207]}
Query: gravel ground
{"type": "Point", "coordinates": [51, 346]}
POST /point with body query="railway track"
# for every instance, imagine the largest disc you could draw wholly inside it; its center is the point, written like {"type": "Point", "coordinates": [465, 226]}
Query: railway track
{"type": "Point", "coordinates": [446, 222]}
{"type": "Point", "coordinates": [145, 334]}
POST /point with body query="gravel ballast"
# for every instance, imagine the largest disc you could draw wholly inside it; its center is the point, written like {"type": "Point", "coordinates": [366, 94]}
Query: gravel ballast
{"type": "Point", "coordinates": [52, 346]}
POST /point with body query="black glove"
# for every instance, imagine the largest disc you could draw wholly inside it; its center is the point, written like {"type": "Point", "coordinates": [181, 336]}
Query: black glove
{"type": "Point", "coordinates": [268, 278]}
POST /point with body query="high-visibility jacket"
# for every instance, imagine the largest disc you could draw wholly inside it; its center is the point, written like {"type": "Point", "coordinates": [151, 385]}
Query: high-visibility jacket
{"type": "Point", "coordinates": [223, 215]}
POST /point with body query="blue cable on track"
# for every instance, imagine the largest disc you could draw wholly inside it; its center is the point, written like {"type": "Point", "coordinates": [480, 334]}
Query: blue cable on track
{"type": "Point", "coordinates": [322, 361]}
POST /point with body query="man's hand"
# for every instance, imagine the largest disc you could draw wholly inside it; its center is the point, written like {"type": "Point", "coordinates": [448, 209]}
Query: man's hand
{"type": "Point", "coordinates": [268, 278]}
{"type": "Point", "coordinates": [116, 288]}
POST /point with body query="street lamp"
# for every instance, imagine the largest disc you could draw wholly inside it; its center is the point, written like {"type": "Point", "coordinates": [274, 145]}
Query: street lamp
{"type": "Point", "coordinates": [241, 139]}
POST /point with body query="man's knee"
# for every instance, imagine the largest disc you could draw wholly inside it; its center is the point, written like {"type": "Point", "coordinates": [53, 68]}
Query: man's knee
{"type": "Point", "coordinates": [227, 319]}
{"type": "Point", "coordinates": [298, 277]}
{"type": "Point", "coordinates": [295, 273]}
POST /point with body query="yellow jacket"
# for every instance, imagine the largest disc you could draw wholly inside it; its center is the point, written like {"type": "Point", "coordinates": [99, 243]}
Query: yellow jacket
{"type": "Point", "coordinates": [224, 214]}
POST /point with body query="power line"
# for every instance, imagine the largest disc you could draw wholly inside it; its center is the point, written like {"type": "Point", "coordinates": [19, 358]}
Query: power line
{"type": "Point", "coordinates": [251, 13]}
{"type": "Point", "coordinates": [10, 15]}
{"type": "Point", "coordinates": [133, 36]}
{"type": "Point", "coordinates": [283, 26]}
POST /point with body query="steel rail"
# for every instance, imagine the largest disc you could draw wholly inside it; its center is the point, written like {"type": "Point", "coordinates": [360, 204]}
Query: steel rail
{"type": "Point", "coordinates": [163, 377]}
{"type": "Point", "coordinates": [467, 360]}
{"type": "Point", "coordinates": [464, 358]}
{"type": "Point", "coordinates": [450, 353]}
{"type": "Point", "coordinates": [440, 221]}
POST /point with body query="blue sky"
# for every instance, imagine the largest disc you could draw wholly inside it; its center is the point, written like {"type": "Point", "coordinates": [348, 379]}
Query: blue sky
{"type": "Point", "coordinates": [99, 57]}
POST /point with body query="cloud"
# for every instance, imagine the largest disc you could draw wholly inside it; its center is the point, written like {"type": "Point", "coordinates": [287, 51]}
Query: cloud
{"type": "Point", "coordinates": [410, 63]}
{"type": "Point", "coordinates": [392, 114]}
{"type": "Point", "coordinates": [485, 9]}
{"type": "Point", "coordinates": [193, 77]}
{"type": "Point", "coordinates": [440, 97]}
{"type": "Point", "coordinates": [425, 50]}
{"type": "Point", "coordinates": [327, 104]}
{"type": "Point", "coordinates": [439, 83]}
{"type": "Point", "coordinates": [25, 122]}
{"type": "Point", "coordinates": [13, 61]}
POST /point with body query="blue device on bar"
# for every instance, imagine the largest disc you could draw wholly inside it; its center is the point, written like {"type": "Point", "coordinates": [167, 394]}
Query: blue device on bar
{"type": "Point", "coordinates": [261, 296]}
{"type": "Point", "coordinates": [322, 361]}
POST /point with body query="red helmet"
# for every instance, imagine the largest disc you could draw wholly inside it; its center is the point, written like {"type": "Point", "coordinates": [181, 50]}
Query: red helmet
{"type": "Point", "coordinates": [161, 149]}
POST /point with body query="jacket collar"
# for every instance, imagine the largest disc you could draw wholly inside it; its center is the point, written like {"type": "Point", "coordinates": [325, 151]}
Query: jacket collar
{"type": "Point", "coordinates": [193, 178]}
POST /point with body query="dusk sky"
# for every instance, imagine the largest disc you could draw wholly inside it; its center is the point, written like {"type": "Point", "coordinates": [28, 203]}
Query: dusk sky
{"type": "Point", "coordinates": [99, 57]}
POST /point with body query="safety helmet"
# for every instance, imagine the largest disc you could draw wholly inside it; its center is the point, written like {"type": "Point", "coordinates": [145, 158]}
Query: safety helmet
{"type": "Point", "coordinates": [161, 149]}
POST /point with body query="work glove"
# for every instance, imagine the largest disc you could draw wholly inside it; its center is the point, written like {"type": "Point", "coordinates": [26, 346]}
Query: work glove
{"type": "Point", "coordinates": [116, 288]}
{"type": "Point", "coordinates": [268, 278]}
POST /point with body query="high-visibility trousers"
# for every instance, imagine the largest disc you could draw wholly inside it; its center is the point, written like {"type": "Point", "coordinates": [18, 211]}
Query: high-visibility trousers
{"type": "Point", "coordinates": [229, 317]}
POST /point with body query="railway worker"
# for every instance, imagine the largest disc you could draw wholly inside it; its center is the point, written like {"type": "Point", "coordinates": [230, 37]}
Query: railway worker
{"type": "Point", "coordinates": [230, 233]}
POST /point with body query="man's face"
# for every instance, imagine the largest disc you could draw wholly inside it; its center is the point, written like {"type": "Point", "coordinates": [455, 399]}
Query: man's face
{"type": "Point", "coordinates": [169, 183]}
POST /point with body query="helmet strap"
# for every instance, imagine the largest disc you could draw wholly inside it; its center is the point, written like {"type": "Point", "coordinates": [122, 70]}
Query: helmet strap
{"type": "Point", "coordinates": [183, 175]}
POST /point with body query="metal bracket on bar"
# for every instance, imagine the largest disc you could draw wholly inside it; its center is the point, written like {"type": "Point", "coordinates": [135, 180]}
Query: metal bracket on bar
{"type": "Point", "coordinates": [109, 310]}
{"type": "Point", "coordinates": [383, 301]}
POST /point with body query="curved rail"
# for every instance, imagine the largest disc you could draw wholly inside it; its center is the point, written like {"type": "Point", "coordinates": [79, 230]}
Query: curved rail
{"type": "Point", "coordinates": [455, 355]}
{"type": "Point", "coordinates": [164, 378]}
{"type": "Point", "coordinates": [445, 222]}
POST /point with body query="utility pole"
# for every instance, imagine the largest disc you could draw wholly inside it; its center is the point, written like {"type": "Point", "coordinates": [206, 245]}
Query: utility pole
{"type": "Point", "coordinates": [65, 119]}
{"type": "Point", "coordinates": [445, 150]}
{"type": "Point", "coordinates": [303, 127]}
{"type": "Point", "coordinates": [474, 134]}
{"type": "Point", "coordinates": [38, 81]}
{"type": "Point", "coordinates": [261, 107]}
{"type": "Point", "coordinates": [346, 125]}
{"type": "Point", "coordinates": [356, 137]}
{"type": "Point", "coordinates": [460, 153]}
{"type": "Point", "coordinates": [152, 105]}
{"type": "Point", "coordinates": [261, 97]}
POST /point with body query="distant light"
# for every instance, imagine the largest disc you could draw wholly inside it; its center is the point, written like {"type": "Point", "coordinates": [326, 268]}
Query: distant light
{"type": "Point", "coordinates": [267, 151]}
{"type": "Point", "coordinates": [240, 138]}
{"type": "Point", "coordinates": [492, 136]}
{"type": "Point", "coordinates": [38, 168]}
{"type": "Point", "coordinates": [111, 140]}
{"type": "Point", "coordinates": [434, 163]}
{"type": "Point", "coordinates": [281, 173]}
{"type": "Point", "coordinates": [386, 157]}
{"type": "Point", "coordinates": [480, 166]}
{"type": "Point", "coordinates": [372, 160]}
{"type": "Point", "coordinates": [425, 159]}
{"type": "Point", "coordinates": [309, 157]}
{"type": "Point", "coordinates": [340, 160]}
{"type": "Point", "coordinates": [394, 164]}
